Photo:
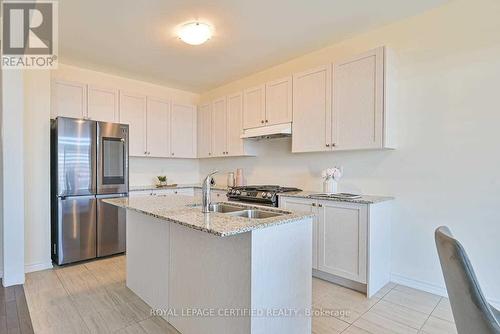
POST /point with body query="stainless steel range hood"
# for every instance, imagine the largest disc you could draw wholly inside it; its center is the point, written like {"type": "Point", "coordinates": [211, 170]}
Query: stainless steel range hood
{"type": "Point", "coordinates": [271, 131]}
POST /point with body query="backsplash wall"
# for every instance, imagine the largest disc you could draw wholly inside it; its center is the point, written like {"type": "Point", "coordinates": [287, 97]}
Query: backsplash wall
{"type": "Point", "coordinates": [143, 171]}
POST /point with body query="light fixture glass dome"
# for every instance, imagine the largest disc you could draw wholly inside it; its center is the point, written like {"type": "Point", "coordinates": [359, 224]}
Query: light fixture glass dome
{"type": "Point", "coordinates": [195, 33]}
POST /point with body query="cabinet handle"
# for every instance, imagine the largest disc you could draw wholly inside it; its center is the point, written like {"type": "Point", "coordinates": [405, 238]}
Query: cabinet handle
{"type": "Point", "coordinates": [333, 144]}
{"type": "Point", "coordinates": [262, 121]}
{"type": "Point", "coordinates": [209, 153]}
{"type": "Point", "coordinates": [320, 205]}
{"type": "Point", "coordinates": [267, 121]}
{"type": "Point", "coordinates": [145, 153]}
{"type": "Point", "coordinates": [172, 153]}
{"type": "Point", "coordinates": [327, 145]}
{"type": "Point", "coordinates": [314, 204]}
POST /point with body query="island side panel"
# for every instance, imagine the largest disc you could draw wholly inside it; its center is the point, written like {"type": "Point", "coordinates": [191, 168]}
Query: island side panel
{"type": "Point", "coordinates": [209, 272]}
{"type": "Point", "coordinates": [148, 258]}
{"type": "Point", "coordinates": [379, 247]}
{"type": "Point", "coordinates": [282, 277]}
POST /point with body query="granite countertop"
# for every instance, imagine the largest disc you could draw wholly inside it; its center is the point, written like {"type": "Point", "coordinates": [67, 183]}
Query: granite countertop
{"type": "Point", "coordinates": [364, 199]}
{"type": "Point", "coordinates": [178, 186]}
{"type": "Point", "coordinates": [186, 211]}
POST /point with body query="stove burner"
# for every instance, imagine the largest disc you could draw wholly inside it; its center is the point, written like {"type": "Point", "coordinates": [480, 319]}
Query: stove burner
{"type": "Point", "coordinates": [262, 194]}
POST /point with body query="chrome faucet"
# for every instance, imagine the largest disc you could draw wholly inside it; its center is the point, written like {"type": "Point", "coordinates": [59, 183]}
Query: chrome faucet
{"type": "Point", "coordinates": [205, 192]}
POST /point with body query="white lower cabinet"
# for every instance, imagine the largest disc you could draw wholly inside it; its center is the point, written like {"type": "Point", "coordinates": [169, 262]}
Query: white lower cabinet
{"type": "Point", "coordinates": [342, 239]}
{"type": "Point", "coordinates": [160, 192]}
{"type": "Point", "coordinates": [351, 242]}
{"type": "Point", "coordinates": [215, 194]}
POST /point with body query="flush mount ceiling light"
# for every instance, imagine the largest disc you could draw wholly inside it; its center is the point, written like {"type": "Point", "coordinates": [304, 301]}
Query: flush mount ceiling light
{"type": "Point", "coordinates": [194, 33]}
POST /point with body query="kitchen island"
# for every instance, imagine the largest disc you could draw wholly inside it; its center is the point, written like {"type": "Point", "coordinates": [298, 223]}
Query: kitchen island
{"type": "Point", "coordinates": [238, 270]}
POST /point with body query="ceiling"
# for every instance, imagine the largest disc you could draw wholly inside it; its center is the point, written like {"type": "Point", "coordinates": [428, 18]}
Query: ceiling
{"type": "Point", "coordinates": [136, 39]}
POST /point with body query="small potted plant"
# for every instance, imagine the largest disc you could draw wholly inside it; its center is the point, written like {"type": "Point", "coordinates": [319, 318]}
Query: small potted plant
{"type": "Point", "coordinates": [331, 176]}
{"type": "Point", "coordinates": [162, 181]}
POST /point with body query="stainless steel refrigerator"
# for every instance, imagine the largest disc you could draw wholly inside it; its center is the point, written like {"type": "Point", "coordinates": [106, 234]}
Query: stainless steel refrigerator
{"type": "Point", "coordinates": [89, 162]}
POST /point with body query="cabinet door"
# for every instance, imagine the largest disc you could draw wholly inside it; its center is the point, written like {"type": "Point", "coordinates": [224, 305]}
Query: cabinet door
{"type": "Point", "coordinates": [254, 107]}
{"type": "Point", "coordinates": [158, 128]}
{"type": "Point", "coordinates": [307, 206]}
{"type": "Point", "coordinates": [219, 127]}
{"type": "Point", "coordinates": [218, 195]}
{"type": "Point", "coordinates": [359, 101]}
{"type": "Point", "coordinates": [133, 113]}
{"type": "Point", "coordinates": [342, 243]}
{"type": "Point", "coordinates": [204, 131]}
{"type": "Point", "coordinates": [312, 110]}
{"type": "Point", "coordinates": [69, 99]}
{"type": "Point", "coordinates": [183, 134]}
{"type": "Point", "coordinates": [235, 145]}
{"type": "Point", "coordinates": [279, 101]}
{"type": "Point", "coordinates": [103, 104]}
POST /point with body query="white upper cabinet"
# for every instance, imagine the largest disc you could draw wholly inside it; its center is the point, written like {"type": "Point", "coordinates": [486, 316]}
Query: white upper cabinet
{"type": "Point", "coordinates": [254, 107]}
{"type": "Point", "coordinates": [158, 128]}
{"type": "Point", "coordinates": [103, 104]}
{"type": "Point", "coordinates": [279, 101]}
{"type": "Point", "coordinates": [234, 144]}
{"type": "Point", "coordinates": [312, 110]}
{"type": "Point", "coordinates": [219, 127]}
{"type": "Point", "coordinates": [183, 131]}
{"type": "Point", "coordinates": [205, 131]}
{"type": "Point", "coordinates": [358, 112]}
{"type": "Point", "coordinates": [133, 113]}
{"type": "Point", "coordinates": [69, 99]}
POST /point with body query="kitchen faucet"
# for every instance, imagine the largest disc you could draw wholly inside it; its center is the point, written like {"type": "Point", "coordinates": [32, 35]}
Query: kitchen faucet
{"type": "Point", "coordinates": [205, 192]}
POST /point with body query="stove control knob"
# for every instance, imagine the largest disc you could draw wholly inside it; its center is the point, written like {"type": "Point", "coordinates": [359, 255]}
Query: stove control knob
{"type": "Point", "coordinates": [269, 195]}
{"type": "Point", "coordinates": [238, 192]}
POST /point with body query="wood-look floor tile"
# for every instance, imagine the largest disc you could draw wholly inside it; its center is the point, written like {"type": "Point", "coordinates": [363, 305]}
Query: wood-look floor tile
{"type": "Point", "coordinates": [106, 321]}
{"type": "Point", "coordinates": [349, 304]}
{"type": "Point", "coordinates": [438, 326]}
{"type": "Point", "coordinates": [156, 325]}
{"type": "Point", "coordinates": [376, 324]}
{"type": "Point", "coordinates": [414, 299]}
{"type": "Point", "coordinates": [328, 324]}
{"type": "Point", "coordinates": [400, 314]}
{"type": "Point", "coordinates": [443, 310]}
{"type": "Point", "coordinates": [132, 329]}
{"type": "Point", "coordinates": [385, 290]}
{"type": "Point", "coordinates": [355, 330]}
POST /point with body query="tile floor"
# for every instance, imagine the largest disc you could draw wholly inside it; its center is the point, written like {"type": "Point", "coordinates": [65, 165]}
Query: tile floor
{"type": "Point", "coordinates": [92, 298]}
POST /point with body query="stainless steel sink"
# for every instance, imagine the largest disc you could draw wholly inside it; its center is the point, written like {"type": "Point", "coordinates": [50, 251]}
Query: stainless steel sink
{"type": "Point", "coordinates": [224, 208]}
{"type": "Point", "coordinates": [255, 214]}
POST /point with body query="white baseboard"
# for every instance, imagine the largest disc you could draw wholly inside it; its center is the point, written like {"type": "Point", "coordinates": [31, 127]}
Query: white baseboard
{"type": "Point", "coordinates": [419, 285]}
{"type": "Point", "coordinates": [429, 287]}
{"type": "Point", "coordinates": [28, 268]}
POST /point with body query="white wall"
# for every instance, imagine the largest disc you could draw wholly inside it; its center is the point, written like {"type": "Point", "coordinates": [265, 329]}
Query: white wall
{"type": "Point", "coordinates": [445, 170]}
{"type": "Point", "coordinates": [142, 170]}
{"type": "Point", "coordinates": [13, 178]}
{"type": "Point", "coordinates": [37, 170]}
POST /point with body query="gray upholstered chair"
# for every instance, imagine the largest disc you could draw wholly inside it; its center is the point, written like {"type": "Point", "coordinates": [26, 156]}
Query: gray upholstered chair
{"type": "Point", "coordinates": [472, 313]}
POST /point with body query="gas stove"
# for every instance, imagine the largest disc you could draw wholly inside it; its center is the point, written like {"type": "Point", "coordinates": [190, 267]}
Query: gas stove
{"type": "Point", "coordinates": [264, 194]}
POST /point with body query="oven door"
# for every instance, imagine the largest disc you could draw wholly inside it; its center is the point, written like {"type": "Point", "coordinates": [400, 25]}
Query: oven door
{"type": "Point", "coordinates": [112, 158]}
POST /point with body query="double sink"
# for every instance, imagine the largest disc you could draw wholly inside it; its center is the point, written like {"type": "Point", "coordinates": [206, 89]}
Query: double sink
{"type": "Point", "coordinates": [238, 211]}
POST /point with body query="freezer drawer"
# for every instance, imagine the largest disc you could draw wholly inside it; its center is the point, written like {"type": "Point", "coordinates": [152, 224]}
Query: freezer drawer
{"type": "Point", "coordinates": [76, 229]}
{"type": "Point", "coordinates": [111, 224]}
